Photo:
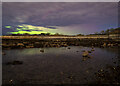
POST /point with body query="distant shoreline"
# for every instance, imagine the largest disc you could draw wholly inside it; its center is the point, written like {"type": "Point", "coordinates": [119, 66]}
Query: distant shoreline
{"type": "Point", "coordinates": [113, 36]}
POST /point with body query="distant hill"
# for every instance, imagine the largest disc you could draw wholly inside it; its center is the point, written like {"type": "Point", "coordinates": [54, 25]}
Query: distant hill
{"type": "Point", "coordinates": [115, 31]}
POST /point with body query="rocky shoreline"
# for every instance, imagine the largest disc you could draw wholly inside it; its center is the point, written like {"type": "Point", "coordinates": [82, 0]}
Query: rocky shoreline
{"type": "Point", "coordinates": [58, 42]}
{"type": "Point", "coordinates": [109, 75]}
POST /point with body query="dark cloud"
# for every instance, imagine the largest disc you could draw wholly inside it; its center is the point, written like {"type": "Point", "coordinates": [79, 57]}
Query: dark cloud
{"type": "Point", "coordinates": [50, 27]}
{"type": "Point", "coordinates": [60, 14]}
{"type": "Point", "coordinates": [31, 30]}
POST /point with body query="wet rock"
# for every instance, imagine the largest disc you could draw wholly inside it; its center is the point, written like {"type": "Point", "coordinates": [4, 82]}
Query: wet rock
{"type": "Point", "coordinates": [89, 56]}
{"type": "Point", "coordinates": [3, 53]}
{"type": "Point", "coordinates": [42, 51]}
{"type": "Point", "coordinates": [104, 45]}
{"type": "Point", "coordinates": [89, 52]}
{"type": "Point", "coordinates": [85, 78]}
{"type": "Point", "coordinates": [101, 70]}
{"type": "Point", "coordinates": [64, 45]}
{"type": "Point", "coordinates": [61, 73]}
{"type": "Point", "coordinates": [20, 44]}
{"type": "Point", "coordinates": [83, 59]}
{"type": "Point", "coordinates": [30, 46]}
{"type": "Point", "coordinates": [114, 68]}
{"type": "Point", "coordinates": [17, 62]}
{"type": "Point", "coordinates": [87, 71]}
{"type": "Point", "coordinates": [14, 63]}
{"type": "Point", "coordinates": [92, 49]}
{"type": "Point", "coordinates": [114, 62]}
{"type": "Point", "coordinates": [71, 77]}
{"type": "Point", "coordinates": [110, 45]}
{"type": "Point", "coordinates": [85, 54]}
{"type": "Point", "coordinates": [11, 81]}
{"type": "Point", "coordinates": [69, 48]}
{"type": "Point", "coordinates": [92, 46]}
{"type": "Point", "coordinates": [83, 50]}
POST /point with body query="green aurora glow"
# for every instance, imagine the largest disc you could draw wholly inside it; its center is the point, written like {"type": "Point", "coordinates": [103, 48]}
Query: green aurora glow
{"type": "Point", "coordinates": [7, 26]}
{"type": "Point", "coordinates": [22, 29]}
{"type": "Point", "coordinates": [29, 32]}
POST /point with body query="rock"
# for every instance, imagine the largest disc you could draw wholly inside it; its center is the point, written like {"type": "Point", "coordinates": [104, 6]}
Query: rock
{"type": "Point", "coordinates": [87, 71]}
{"type": "Point", "coordinates": [83, 59]}
{"type": "Point", "coordinates": [89, 52]}
{"type": "Point", "coordinates": [14, 63]}
{"type": "Point", "coordinates": [109, 45]}
{"type": "Point", "coordinates": [114, 68]}
{"type": "Point", "coordinates": [112, 45]}
{"type": "Point", "coordinates": [9, 63]}
{"type": "Point", "coordinates": [85, 54]}
{"type": "Point", "coordinates": [83, 50]}
{"type": "Point", "coordinates": [11, 81]}
{"type": "Point", "coordinates": [30, 46]}
{"type": "Point", "coordinates": [17, 62]}
{"type": "Point", "coordinates": [68, 47]}
{"type": "Point", "coordinates": [89, 56]}
{"type": "Point", "coordinates": [92, 46]}
{"type": "Point", "coordinates": [42, 51]}
{"type": "Point", "coordinates": [3, 53]}
{"type": "Point", "coordinates": [92, 49]}
{"type": "Point", "coordinates": [104, 45]}
{"type": "Point", "coordinates": [65, 45]}
{"type": "Point", "coordinates": [70, 77]}
{"type": "Point", "coordinates": [101, 70]}
{"type": "Point", "coordinates": [20, 44]}
{"type": "Point", "coordinates": [61, 73]}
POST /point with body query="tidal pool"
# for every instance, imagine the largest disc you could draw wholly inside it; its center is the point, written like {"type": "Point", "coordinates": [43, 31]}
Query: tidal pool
{"type": "Point", "coordinates": [56, 65]}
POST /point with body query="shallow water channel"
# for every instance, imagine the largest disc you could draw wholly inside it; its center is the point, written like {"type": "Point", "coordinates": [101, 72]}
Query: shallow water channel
{"type": "Point", "coordinates": [56, 65]}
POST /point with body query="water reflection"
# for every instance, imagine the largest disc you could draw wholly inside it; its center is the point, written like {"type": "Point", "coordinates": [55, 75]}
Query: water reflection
{"type": "Point", "coordinates": [56, 65]}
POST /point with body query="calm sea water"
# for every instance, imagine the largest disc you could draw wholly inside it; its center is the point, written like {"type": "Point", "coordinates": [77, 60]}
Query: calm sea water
{"type": "Point", "coordinates": [56, 65]}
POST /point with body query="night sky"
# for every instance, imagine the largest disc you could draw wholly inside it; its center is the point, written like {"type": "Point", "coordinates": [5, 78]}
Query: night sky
{"type": "Point", "coordinates": [68, 18]}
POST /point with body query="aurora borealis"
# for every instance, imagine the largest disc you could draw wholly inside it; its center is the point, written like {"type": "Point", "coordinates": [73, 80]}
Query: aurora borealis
{"type": "Point", "coordinates": [68, 18]}
{"type": "Point", "coordinates": [21, 29]}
